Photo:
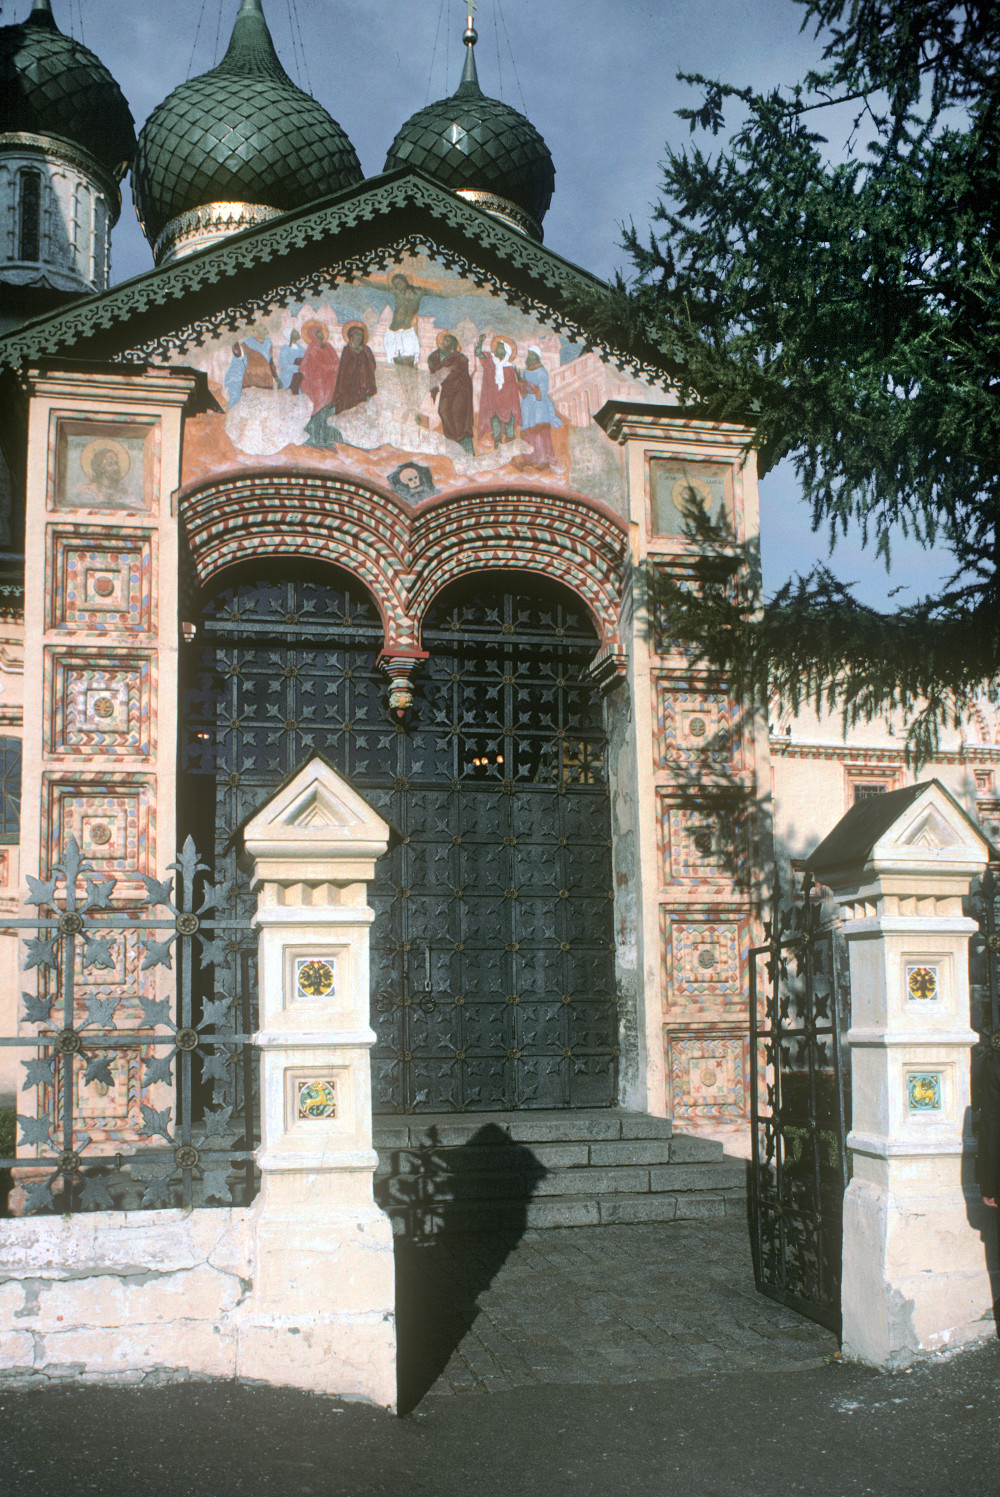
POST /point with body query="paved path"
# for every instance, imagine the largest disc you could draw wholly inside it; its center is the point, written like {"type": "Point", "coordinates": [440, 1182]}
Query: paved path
{"type": "Point", "coordinates": [578, 1363]}
{"type": "Point", "coordinates": [590, 1305]}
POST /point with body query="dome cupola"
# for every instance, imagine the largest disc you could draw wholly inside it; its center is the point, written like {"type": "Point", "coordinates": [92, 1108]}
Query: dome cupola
{"type": "Point", "coordinates": [481, 148]}
{"type": "Point", "coordinates": [234, 147]}
{"type": "Point", "coordinates": [66, 140]}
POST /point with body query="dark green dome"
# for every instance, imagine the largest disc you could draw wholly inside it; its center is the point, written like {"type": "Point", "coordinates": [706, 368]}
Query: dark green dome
{"type": "Point", "coordinates": [53, 85]}
{"type": "Point", "coordinates": [241, 133]}
{"type": "Point", "coordinates": [479, 146]}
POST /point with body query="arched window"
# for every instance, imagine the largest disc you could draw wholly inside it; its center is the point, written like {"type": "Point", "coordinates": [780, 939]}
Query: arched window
{"type": "Point", "coordinates": [10, 790]}
{"type": "Point", "coordinates": [100, 274]}
{"type": "Point", "coordinates": [30, 213]}
{"type": "Point", "coordinates": [81, 229]}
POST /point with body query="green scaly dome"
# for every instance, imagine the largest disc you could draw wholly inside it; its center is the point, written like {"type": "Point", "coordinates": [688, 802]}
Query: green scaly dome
{"type": "Point", "coordinates": [481, 148]}
{"type": "Point", "coordinates": [241, 133]}
{"type": "Point", "coordinates": [51, 85]}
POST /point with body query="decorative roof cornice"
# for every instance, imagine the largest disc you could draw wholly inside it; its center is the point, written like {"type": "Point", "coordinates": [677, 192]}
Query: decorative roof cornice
{"type": "Point", "coordinates": [312, 242]}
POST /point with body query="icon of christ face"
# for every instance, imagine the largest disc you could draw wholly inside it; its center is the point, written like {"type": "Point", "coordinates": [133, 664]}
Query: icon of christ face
{"type": "Point", "coordinates": [315, 978]}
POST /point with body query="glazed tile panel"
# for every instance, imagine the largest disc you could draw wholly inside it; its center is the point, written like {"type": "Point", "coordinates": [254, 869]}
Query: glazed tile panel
{"type": "Point", "coordinates": [113, 821]}
{"type": "Point", "coordinates": [101, 582]}
{"type": "Point", "coordinates": [98, 705]}
{"type": "Point", "coordinates": [709, 1077]}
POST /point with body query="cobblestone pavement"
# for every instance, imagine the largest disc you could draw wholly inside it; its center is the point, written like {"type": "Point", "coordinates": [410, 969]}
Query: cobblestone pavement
{"type": "Point", "coordinates": [590, 1305]}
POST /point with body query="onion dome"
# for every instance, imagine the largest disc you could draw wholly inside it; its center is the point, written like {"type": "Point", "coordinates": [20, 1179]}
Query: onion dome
{"type": "Point", "coordinates": [242, 139]}
{"type": "Point", "coordinates": [481, 148]}
{"type": "Point", "coordinates": [55, 87]}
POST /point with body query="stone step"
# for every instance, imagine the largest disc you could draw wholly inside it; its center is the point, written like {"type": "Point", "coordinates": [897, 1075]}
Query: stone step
{"type": "Point", "coordinates": [542, 1126]}
{"type": "Point", "coordinates": [521, 1184]}
{"type": "Point", "coordinates": [550, 1212]}
{"type": "Point", "coordinates": [472, 1159]}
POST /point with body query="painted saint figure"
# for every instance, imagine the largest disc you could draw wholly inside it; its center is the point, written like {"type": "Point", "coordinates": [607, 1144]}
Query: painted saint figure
{"type": "Point", "coordinates": [451, 381]}
{"type": "Point", "coordinates": [356, 379]}
{"type": "Point", "coordinates": [290, 361]}
{"type": "Point", "coordinates": [402, 342]}
{"type": "Point", "coordinates": [252, 368]}
{"type": "Point", "coordinates": [318, 366]}
{"type": "Point", "coordinates": [499, 402]}
{"type": "Point", "coordinates": [538, 414]}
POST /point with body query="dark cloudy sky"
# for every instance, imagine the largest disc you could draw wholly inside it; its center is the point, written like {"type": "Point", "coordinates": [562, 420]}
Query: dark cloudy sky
{"type": "Point", "coordinates": [596, 77]}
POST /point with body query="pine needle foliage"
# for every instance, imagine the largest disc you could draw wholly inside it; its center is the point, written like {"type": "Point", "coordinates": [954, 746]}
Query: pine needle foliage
{"type": "Point", "coordinates": [848, 312]}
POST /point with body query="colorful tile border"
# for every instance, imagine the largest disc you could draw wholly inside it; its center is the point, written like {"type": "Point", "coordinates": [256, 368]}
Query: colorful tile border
{"type": "Point", "coordinates": [98, 705]}
{"type": "Point", "coordinates": [709, 1076]}
{"type": "Point", "coordinates": [101, 582]}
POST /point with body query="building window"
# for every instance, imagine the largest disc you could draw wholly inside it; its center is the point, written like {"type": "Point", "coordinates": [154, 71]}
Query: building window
{"type": "Point", "coordinates": [30, 214]}
{"type": "Point", "coordinates": [10, 790]}
{"type": "Point", "coordinates": [81, 228]}
{"type": "Point", "coordinates": [865, 789]}
{"type": "Point", "coordinates": [865, 780]}
{"type": "Point", "coordinates": [100, 275]}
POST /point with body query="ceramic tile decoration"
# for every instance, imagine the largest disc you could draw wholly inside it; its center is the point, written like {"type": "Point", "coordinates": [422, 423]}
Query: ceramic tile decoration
{"type": "Point", "coordinates": [708, 1076]}
{"type": "Point", "coordinates": [704, 960]}
{"type": "Point", "coordinates": [694, 726]}
{"type": "Point", "coordinates": [315, 1098]}
{"type": "Point", "coordinates": [315, 977]}
{"type": "Point", "coordinates": [104, 465]}
{"type": "Point", "coordinates": [113, 822]}
{"type": "Point", "coordinates": [699, 845]}
{"type": "Point", "coordinates": [923, 1091]}
{"type": "Point", "coordinates": [112, 1113]}
{"type": "Point", "coordinates": [101, 583]}
{"type": "Point", "coordinates": [99, 705]}
{"type": "Point", "coordinates": [922, 983]}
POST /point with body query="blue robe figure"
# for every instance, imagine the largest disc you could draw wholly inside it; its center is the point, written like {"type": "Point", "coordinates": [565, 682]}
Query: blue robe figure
{"type": "Point", "coordinates": [538, 414]}
{"type": "Point", "coordinates": [289, 360]}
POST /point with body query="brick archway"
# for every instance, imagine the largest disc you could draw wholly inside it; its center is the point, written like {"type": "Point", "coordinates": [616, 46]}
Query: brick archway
{"type": "Point", "coordinates": [404, 555]}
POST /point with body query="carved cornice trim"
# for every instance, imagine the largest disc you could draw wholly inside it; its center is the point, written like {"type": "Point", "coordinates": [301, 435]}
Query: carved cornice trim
{"type": "Point", "coordinates": [525, 272]}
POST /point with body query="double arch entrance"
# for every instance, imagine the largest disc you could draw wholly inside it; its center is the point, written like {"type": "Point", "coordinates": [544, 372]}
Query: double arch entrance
{"type": "Point", "coordinates": [492, 947]}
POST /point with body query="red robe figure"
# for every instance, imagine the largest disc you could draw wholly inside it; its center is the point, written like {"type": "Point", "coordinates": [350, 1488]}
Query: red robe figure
{"type": "Point", "coordinates": [356, 380]}
{"type": "Point", "coordinates": [499, 398]}
{"type": "Point", "coordinates": [451, 380]}
{"type": "Point", "coordinates": [318, 366]}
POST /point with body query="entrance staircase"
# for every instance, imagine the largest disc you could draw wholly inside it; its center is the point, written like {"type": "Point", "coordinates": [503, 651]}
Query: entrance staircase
{"type": "Point", "coordinates": [506, 1171]}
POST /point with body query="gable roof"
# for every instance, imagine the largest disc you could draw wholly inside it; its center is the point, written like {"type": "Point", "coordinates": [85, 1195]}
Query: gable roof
{"type": "Point", "coordinates": [352, 230]}
{"type": "Point", "coordinates": [856, 835]}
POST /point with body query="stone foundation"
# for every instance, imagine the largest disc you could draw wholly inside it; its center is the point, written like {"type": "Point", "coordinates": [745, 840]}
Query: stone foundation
{"type": "Point", "coordinates": [170, 1295]}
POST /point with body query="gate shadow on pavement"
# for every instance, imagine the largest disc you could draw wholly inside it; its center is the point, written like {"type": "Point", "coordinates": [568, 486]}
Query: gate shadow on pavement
{"type": "Point", "coordinates": [467, 1223]}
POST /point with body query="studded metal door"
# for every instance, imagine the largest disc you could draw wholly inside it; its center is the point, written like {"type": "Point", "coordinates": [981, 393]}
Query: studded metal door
{"type": "Point", "coordinates": [492, 959]}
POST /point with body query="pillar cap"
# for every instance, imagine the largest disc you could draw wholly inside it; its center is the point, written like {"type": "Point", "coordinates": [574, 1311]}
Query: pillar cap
{"type": "Point", "coordinates": [316, 817]}
{"type": "Point", "coordinates": [920, 832]}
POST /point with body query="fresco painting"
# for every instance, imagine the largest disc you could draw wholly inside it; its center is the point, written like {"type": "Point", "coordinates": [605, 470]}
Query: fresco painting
{"type": "Point", "coordinates": [101, 466]}
{"type": "Point", "coordinates": [414, 378]}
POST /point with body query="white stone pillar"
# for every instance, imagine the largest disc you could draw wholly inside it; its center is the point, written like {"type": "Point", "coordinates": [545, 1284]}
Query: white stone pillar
{"type": "Point", "coordinates": [323, 1306]}
{"type": "Point", "coordinates": [915, 1279]}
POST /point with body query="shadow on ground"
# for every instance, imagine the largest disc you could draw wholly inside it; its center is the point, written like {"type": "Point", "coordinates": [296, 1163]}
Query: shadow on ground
{"type": "Point", "coordinates": [452, 1249]}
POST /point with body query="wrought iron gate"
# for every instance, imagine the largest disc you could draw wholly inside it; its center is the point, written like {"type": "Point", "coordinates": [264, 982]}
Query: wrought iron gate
{"type": "Point", "coordinates": [799, 993]}
{"type": "Point", "coordinates": [492, 954]}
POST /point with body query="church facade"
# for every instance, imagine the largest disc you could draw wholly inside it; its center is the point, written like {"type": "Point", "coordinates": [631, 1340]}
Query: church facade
{"type": "Point", "coordinates": [342, 475]}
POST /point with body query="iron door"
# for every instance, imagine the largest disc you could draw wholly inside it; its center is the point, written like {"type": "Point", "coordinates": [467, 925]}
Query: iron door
{"type": "Point", "coordinates": [492, 955]}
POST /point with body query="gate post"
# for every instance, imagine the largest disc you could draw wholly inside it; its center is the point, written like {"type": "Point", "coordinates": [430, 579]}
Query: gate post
{"type": "Point", "coordinates": [323, 1298]}
{"type": "Point", "coordinates": [915, 1277]}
